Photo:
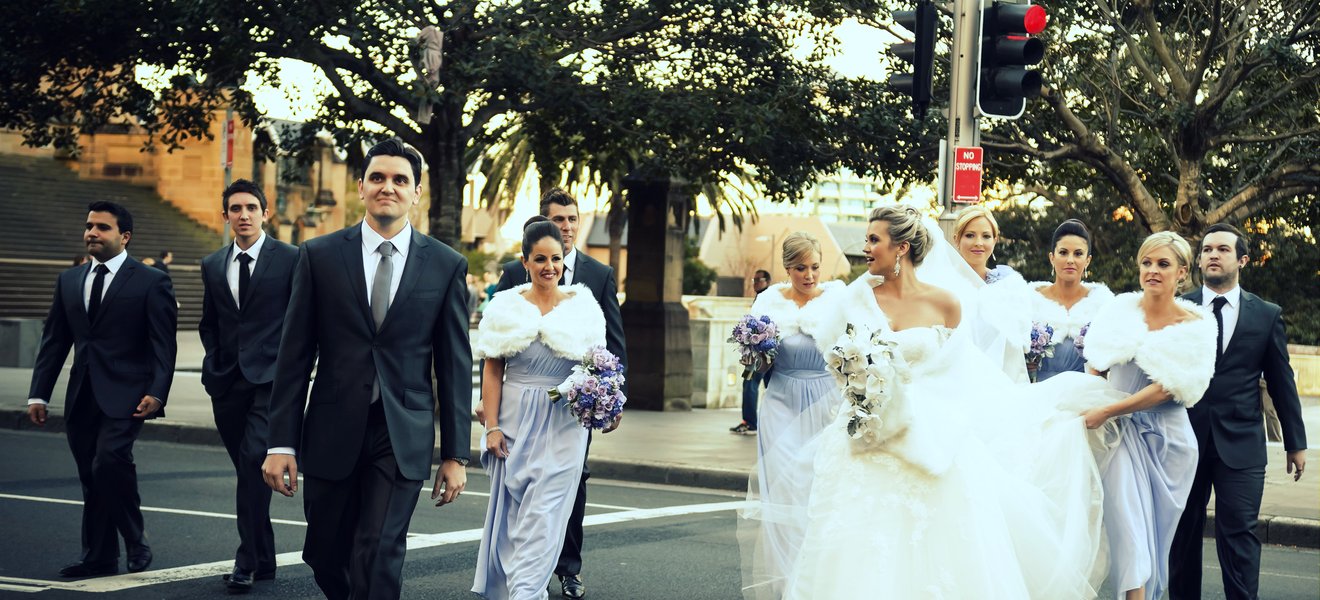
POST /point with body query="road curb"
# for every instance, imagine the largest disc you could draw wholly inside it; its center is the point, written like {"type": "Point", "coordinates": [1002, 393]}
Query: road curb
{"type": "Point", "coordinates": [1276, 530]}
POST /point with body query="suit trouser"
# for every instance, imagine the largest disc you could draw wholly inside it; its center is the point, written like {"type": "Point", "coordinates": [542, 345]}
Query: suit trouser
{"type": "Point", "coordinates": [570, 557]}
{"type": "Point", "coordinates": [1237, 507]}
{"type": "Point", "coordinates": [357, 526]}
{"type": "Point", "coordinates": [102, 449]}
{"type": "Point", "coordinates": [241, 417]}
{"type": "Point", "coordinates": [751, 392]}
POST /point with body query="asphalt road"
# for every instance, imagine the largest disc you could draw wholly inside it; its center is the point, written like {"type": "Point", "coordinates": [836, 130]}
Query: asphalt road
{"type": "Point", "coordinates": [643, 541]}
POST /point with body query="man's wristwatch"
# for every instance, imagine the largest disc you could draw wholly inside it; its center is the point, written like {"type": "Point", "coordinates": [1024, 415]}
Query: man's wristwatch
{"type": "Point", "coordinates": [462, 461]}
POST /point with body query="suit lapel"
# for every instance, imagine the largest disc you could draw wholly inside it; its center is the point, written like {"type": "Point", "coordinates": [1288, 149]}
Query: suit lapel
{"type": "Point", "coordinates": [125, 273]}
{"type": "Point", "coordinates": [413, 268]}
{"type": "Point", "coordinates": [1247, 308]}
{"type": "Point", "coordinates": [357, 278]}
{"type": "Point", "coordinates": [220, 277]}
{"type": "Point", "coordinates": [269, 254]}
{"type": "Point", "coordinates": [77, 292]}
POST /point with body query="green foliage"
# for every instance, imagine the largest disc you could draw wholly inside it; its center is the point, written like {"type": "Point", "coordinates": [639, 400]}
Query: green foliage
{"type": "Point", "coordinates": [697, 277]}
{"type": "Point", "coordinates": [1283, 268]}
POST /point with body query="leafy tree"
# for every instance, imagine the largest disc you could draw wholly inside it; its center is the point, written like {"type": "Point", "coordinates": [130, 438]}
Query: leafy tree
{"type": "Point", "coordinates": [700, 88]}
{"type": "Point", "coordinates": [1190, 113]}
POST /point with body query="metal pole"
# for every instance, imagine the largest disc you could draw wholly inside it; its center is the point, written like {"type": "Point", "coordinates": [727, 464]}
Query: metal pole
{"type": "Point", "coordinates": [963, 130]}
{"type": "Point", "coordinates": [227, 160]}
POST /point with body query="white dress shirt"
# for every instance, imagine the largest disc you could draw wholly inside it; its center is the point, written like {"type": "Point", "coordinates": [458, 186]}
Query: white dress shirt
{"type": "Point", "coordinates": [371, 255]}
{"type": "Point", "coordinates": [570, 266]}
{"type": "Point", "coordinates": [1230, 311]}
{"type": "Point", "coordinates": [370, 260]}
{"type": "Point", "coordinates": [231, 271]}
{"type": "Point", "coordinates": [114, 265]}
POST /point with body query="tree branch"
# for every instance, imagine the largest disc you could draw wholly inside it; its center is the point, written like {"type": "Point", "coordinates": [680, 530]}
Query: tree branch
{"type": "Point", "coordinates": [1127, 36]}
{"type": "Point", "coordinates": [1261, 139]}
{"type": "Point", "coordinates": [363, 109]}
{"type": "Point", "coordinates": [1277, 179]}
{"type": "Point", "coordinates": [1171, 66]}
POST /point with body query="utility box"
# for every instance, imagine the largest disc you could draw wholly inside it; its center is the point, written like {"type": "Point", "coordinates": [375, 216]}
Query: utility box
{"type": "Point", "coordinates": [19, 340]}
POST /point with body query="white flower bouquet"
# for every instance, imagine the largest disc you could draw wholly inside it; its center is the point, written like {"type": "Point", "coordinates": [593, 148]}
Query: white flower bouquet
{"type": "Point", "coordinates": [867, 366]}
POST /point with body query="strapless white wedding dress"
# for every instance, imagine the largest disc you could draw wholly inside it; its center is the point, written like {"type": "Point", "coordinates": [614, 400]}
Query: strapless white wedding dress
{"type": "Point", "coordinates": [991, 492]}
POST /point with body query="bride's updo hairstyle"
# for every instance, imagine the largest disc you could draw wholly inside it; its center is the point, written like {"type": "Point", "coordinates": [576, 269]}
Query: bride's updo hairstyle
{"type": "Point", "coordinates": [1180, 247]}
{"type": "Point", "coordinates": [536, 229]}
{"type": "Point", "coordinates": [798, 247]}
{"type": "Point", "coordinates": [905, 226]}
{"type": "Point", "coordinates": [1071, 227]}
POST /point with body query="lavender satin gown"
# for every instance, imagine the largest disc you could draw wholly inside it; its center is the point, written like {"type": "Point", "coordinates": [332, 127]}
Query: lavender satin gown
{"type": "Point", "coordinates": [532, 491]}
{"type": "Point", "coordinates": [799, 401]}
{"type": "Point", "coordinates": [1146, 484]}
{"type": "Point", "coordinates": [1066, 358]}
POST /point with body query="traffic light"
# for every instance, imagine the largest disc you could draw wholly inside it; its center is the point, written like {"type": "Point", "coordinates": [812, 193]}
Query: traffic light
{"type": "Point", "coordinates": [920, 53]}
{"type": "Point", "coordinates": [1004, 82]}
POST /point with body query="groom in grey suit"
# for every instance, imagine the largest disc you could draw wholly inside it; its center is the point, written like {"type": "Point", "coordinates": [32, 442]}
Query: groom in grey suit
{"type": "Point", "coordinates": [1229, 424]}
{"type": "Point", "coordinates": [376, 305]}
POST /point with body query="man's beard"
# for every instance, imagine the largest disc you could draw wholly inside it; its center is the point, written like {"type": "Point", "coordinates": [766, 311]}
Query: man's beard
{"type": "Point", "coordinates": [1219, 281]}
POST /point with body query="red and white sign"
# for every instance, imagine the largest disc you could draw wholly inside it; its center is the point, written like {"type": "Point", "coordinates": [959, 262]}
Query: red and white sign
{"type": "Point", "coordinates": [967, 175]}
{"type": "Point", "coordinates": [227, 147]}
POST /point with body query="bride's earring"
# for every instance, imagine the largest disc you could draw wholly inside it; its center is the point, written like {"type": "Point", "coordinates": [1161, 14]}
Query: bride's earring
{"type": "Point", "coordinates": [897, 263]}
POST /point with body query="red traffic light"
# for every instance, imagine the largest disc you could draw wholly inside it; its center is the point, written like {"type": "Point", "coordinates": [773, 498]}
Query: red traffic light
{"type": "Point", "coordinates": [1034, 21]}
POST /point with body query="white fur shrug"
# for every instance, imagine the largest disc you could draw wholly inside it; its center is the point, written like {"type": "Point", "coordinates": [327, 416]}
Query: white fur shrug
{"type": "Point", "coordinates": [510, 323]}
{"type": "Point", "coordinates": [816, 319]}
{"type": "Point", "coordinates": [1067, 322]}
{"type": "Point", "coordinates": [1179, 357]}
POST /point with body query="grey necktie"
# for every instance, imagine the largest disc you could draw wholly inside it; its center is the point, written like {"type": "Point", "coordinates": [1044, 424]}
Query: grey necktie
{"type": "Point", "coordinates": [380, 285]}
{"type": "Point", "coordinates": [380, 298]}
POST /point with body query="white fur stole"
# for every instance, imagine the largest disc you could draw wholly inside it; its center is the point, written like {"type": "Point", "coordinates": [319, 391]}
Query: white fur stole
{"type": "Point", "coordinates": [510, 323]}
{"type": "Point", "coordinates": [1067, 322]}
{"type": "Point", "coordinates": [1179, 357]}
{"type": "Point", "coordinates": [1004, 307]}
{"type": "Point", "coordinates": [813, 319]}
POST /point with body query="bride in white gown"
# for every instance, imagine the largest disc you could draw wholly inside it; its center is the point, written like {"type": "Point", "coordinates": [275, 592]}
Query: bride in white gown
{"type": "Point", "coordinates": [978, 487]}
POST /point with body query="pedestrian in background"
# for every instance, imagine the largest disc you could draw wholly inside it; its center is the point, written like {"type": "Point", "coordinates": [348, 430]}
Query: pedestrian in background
{"type": "Point", "coordinates": [751, 388]}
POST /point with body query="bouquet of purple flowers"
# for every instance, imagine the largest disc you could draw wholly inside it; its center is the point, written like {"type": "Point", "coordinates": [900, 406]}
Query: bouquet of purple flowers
{"type": "Point", "coordinates": [594, 391]}
{"type": "Point", "coordinates": [758, 342]}
{"type": "Point", "coordinates": [1042, 346]}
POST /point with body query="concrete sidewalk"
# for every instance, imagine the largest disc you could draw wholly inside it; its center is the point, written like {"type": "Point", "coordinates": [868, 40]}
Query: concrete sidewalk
{"type": "Point", "coordinates": [681, 448]}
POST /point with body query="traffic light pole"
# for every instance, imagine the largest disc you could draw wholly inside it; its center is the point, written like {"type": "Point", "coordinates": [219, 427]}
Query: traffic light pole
{"type": "Point", "coordinates": [963, 130]}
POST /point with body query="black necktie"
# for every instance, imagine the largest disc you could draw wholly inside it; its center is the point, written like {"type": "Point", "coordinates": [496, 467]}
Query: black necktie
{"type": "Point", "coordinates": [563, 277]}
{"type": "Point", "coordinates": [244, 276]}
{"type": "Point", "coordinates": [1219, 303]}
{"type": "Point", "coordinates": [98, 286]}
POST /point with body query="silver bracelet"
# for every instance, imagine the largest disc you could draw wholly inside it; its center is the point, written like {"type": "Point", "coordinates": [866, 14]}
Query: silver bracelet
{"type": "Point", "coordinates": [494, 429]}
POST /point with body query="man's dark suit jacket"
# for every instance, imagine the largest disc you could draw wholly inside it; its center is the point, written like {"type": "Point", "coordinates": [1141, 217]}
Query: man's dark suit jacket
{"type": "Point", "coordinates": [329, 314]}
{"type": "Point", "coordinates": [126, 353]}
{"type": "Point", "coordinates": [1230, 410]}
{"type": "Point", "coordinates": [242, 342]}
{"type": "Point", "coordinates": [599, 278]}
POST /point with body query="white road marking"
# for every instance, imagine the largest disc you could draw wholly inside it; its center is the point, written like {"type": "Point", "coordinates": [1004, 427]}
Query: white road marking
{"type": "Point", "coordinates": [128, 581]}
{"type": "Point", "coordinates": [173, 511]}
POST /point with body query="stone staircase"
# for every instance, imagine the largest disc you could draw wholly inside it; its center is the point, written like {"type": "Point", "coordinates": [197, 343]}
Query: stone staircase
{"type": "Point", "coordinates": [43, 206]}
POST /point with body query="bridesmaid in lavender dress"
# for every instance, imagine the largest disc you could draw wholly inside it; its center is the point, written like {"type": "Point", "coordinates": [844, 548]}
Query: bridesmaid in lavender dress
{"type": "Point", "coordinates": [1068, 303]}
{"type": "Point", "coordinates": [800, 399]}
{"type": "Point", "coordinates": [531, 336]}
{"type": "Point", "coordinates": [1001, 323]}
{"type": "Point", "coordinates": [1161, 350]}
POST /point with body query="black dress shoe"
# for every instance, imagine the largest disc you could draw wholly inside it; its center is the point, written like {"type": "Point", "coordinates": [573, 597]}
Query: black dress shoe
{"type": "Point", "coordinates": [239, 581]}
{"type": "Point", "coordinates": [571, 586]}
{"type": "Point", "coordinates": [139, 561]}
{"type": "Point", "coordinates": [83, 569]}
